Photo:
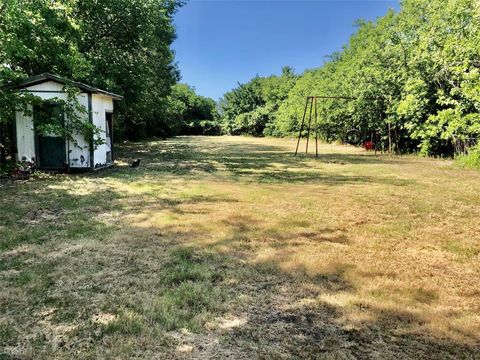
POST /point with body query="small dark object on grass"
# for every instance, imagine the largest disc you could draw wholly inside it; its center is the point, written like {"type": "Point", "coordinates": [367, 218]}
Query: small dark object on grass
{"type": "Point", "coordinates": [136, 163]}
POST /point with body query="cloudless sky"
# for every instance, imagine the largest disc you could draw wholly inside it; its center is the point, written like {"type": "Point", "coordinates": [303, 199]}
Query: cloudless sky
{"type": "Point", "coordinates": [220, 43]}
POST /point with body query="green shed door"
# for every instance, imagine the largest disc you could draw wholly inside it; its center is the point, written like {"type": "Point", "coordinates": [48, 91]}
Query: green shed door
{"type": "Point", "coordinates": [50, 147]}
{"type": "Point", "coordinates": [51, 152]}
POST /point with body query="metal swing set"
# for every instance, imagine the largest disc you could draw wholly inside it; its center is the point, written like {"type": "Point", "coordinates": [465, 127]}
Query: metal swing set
{"type": "Point", "coordinates": [311, 103]}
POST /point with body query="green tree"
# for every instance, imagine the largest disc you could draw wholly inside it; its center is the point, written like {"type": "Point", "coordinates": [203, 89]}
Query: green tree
{"type": "Point", "coordinates": [192, 114]}
{"type": "Point", "coordinates": [251, 108]}
{"type": "Point", "coordinates": [119, 45]}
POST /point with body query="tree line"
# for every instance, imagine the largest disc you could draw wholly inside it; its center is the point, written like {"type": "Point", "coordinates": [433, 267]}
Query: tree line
{"type": "Point", "coordinates": [422, 62]}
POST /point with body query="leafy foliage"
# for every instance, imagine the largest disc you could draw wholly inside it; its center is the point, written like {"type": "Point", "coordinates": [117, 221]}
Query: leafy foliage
{"type": "Point", "coordinates": [191, 114]}
{"type": "Point", "coordinates": [251, 108]}
{"type": "Point", "coordinates": [119, 45]}
{"type": "Point", "coordinates": [64, 118]}
{"type": "Point", "coordinates": [424, 61]}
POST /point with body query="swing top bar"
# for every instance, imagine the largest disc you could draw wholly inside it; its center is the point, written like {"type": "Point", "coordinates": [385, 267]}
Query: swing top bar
{"type": "Point", "coordinates": [346, 97]}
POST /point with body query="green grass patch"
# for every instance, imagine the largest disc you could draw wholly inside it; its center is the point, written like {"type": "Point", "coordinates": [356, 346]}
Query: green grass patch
{"type": "Point", "coordinates": [192, 290]}
{"type": "Point", "coordinates": [461, 249]}
{"type": "Point", "coordinates": [472, 159]}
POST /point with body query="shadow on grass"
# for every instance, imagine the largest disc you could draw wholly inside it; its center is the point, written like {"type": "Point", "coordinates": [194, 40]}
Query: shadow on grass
{"type": "Point", "coordinates": [284, 311]}
{"type": "Point", "coordinates": [76, 284]}
{"type": "Point", "coordinates": [246, 162]}
{"type": "Point", "coordinates": [287, 318]}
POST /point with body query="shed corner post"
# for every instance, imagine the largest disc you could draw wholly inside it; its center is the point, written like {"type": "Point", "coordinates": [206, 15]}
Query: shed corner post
{"type": "Point", "coordinates": [111, 138]}
{"type": "Point", "coordinates": [90, 118]}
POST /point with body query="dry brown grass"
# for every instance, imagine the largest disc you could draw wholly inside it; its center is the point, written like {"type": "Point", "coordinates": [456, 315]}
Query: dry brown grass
{"type": "Point", "coordinates": [229, 246]}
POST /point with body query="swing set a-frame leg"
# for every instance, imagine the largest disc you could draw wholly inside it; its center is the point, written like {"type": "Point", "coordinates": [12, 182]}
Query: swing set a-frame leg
{"type": "Point", "coordinates": [309, 124]}
{"type": "Point", "coordinates": [312, 102]}
{"type": "Point", "coordinates": [301, 126]}
{"type": "Point", "coordinates": [316, 128]}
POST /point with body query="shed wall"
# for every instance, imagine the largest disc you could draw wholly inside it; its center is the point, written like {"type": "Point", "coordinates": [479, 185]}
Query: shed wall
{"type": "Point", "coordinates": [101, 105]}
{"type": "Point", "coordinates": [46, 86]}
{"type": "Point", "coordinates": [81, 146]}
{"type": "Point", "coordinates": [25, 128]}
{"type": "Point", "coordinates": [24, 123]}
{"type": "Point", "coordinates": [25, 136]}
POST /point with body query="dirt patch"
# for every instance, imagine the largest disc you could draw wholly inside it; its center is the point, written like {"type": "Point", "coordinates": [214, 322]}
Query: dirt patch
{"type": "Point", "coordinates": [37, 216]}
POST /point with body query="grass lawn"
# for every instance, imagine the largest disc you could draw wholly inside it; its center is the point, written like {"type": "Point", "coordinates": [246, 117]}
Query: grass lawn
{"type": "Point", "coordinates": [229, 247]}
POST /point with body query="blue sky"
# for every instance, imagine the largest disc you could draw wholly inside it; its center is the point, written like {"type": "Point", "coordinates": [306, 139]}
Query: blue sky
{"type": "Point", "coordinates": [220, 43]}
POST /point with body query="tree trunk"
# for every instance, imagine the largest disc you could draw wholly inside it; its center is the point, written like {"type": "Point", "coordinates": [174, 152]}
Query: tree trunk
{"type": "Point", "coordinates": [3, 144]}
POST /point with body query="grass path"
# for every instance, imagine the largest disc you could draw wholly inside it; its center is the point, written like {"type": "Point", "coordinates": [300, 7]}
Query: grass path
{"type": "Point", "coordinates": [229, 247]}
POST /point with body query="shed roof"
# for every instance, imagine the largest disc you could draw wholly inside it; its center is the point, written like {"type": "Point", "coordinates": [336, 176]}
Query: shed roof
{"type": "Point", "coordinates": [38, 79]}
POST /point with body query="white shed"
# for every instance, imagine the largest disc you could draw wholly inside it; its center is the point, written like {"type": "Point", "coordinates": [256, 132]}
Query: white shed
{"type": "Point", "coordinates": [54, 152]}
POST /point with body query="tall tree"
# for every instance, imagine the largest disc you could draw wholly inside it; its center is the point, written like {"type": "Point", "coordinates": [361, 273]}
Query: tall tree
{"type": "Point", "coordinates": [251, 108]}
{"type": "Point", "coordinates": [127, 43]}
{"type": "Point", "coordinates": [120, 45]}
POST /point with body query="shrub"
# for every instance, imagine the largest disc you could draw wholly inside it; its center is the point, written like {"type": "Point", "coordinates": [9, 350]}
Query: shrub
{"type": "Point", "coordinates": [472, 159]}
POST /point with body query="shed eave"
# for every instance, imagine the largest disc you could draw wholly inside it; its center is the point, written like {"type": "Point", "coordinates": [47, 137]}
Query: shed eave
{"type": "Point", "coordinates": [39, 79]}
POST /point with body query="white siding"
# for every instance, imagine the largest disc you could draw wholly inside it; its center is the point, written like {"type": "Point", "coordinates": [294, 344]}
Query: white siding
{"type": "Point", "coordinates": [77, 150]}
{"type": "Point", "coordinates": [81, 146]}
{"type": "Point", "coordinates": [25, 137]}
{"type": "Point", "coordinates": [47, 86]}
{"type": "Point", "coordinates": [25, 133]}
{"type": "Point", "coordinates": [101, 105]}
{"type": "Point", "coordinates": [24, 123]}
